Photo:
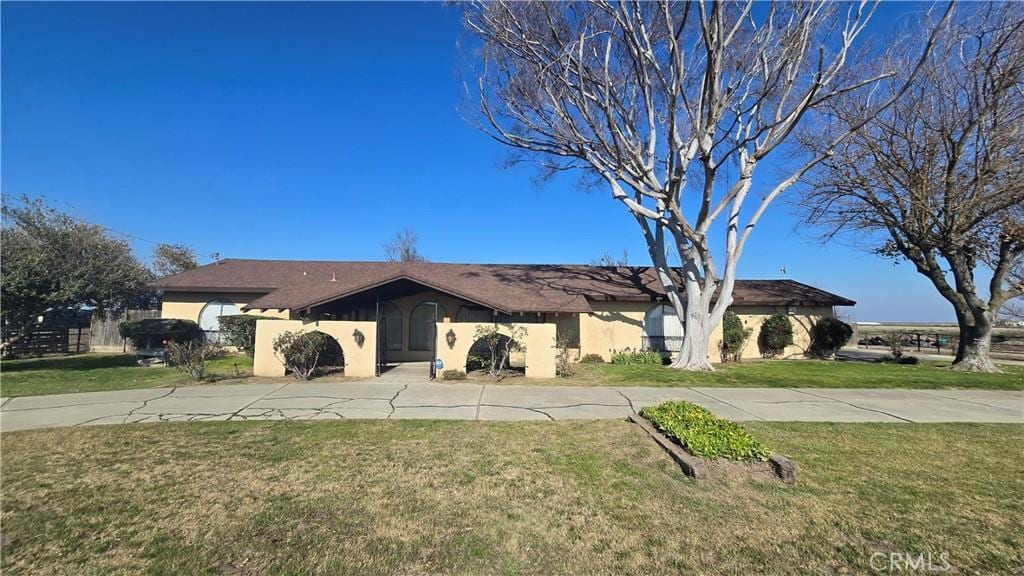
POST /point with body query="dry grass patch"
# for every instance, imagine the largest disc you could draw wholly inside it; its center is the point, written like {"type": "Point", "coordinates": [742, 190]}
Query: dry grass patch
{"type": "Point", "coordinates": [361, 497]}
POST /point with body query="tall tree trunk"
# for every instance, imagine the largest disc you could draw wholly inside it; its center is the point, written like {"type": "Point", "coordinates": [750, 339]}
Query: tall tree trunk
{"type": "Point", "coordinates": [975, 343]}
{"type": "Point", "coordinates": [693, 354]}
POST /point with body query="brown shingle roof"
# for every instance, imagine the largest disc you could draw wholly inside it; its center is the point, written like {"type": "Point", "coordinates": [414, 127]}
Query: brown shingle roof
{"type": "Point", "coordinates": [297, 284]}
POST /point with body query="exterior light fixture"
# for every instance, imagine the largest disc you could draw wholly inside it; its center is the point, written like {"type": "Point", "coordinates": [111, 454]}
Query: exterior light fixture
{"type": "Point", "coordinates": [359, 337]}
{"type": "Point", "coordinates": [450, 338]}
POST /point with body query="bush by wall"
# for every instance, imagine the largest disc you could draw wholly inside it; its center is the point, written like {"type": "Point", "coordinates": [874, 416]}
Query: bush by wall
{"type": "Point", "coordinates": [156, 332]}
{"type": "Point", "coordinates": [776, 333]}
{"type": "Point", "coordinates": [703, 434]}
{"type": "Point", "coordinates": [239, 330]}
{"type": "Point", "coordinates": [453, 374]}
{"type": "Point", "coordinates": [304, 353]}
{"type": "Point", "coordinates": [734, 337]}
{"type": "Point", "coordinates": [631, 356]}
{"type": "Point", "coordinates": [829, 335]}
{"type": "Point", "coordinates": [592, 359]}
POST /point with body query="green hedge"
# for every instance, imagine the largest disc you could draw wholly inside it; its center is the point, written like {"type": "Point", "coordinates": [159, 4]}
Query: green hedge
{"type": "Point", "coordinates": [239, 330]}
{"type": "Point", "coordinates": [703, 434]}
{"type": "Point", "coordinates": [776, 334]}
{"type": "Point", "coordinates": [592, 359]}
{"type": "Point", "coordinates": [156, 332]}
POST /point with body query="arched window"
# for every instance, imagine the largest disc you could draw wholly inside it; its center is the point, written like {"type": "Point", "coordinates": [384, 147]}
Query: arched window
{"type": "Point", "coordinates": [209, 317]}
{"type": "Point", "coordinates": [421, 325]}
{"type": "Point", "coordinates": [663, 331]}
{"type": "Point", "coordinates": [391, 325]}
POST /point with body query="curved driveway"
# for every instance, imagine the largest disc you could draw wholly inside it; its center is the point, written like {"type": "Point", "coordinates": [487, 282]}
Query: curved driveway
{"type": "Point", "coordinates": [392, 398]}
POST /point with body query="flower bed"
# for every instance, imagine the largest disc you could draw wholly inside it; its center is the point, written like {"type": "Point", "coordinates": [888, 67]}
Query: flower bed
{"type": "Point", "coordinates": [703, 434]}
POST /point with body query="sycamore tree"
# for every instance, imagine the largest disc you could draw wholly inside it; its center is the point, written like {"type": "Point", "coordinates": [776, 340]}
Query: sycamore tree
{"type": "Point", "coordinates": [937, 179]}
{"type": "Point", "coordinates": [674, 106]}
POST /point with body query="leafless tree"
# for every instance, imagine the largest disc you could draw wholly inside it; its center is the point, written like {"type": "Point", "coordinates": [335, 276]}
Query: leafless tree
{"type": "Point", "coordinates": [938, 178]}
{"type": "Point", "coordinates": [607, 259]}
{"type": "Point", "coordinates": [674, 106]}
{"type": "Point", "coordinates": [402, 248]}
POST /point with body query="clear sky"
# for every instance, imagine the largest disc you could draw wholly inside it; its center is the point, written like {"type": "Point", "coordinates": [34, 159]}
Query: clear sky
{"type": "Point", "coordinates": [316, 131]}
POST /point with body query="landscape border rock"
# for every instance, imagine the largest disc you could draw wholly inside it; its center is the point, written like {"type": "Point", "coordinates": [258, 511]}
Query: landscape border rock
{"type": "Point", "coordinates": [699, 468]}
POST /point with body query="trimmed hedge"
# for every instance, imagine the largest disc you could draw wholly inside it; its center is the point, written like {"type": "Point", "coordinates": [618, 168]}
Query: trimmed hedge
{"type": "Point", "coordinates": [776, 333]}
{"type": "Point", "coordinates": [734, 337]}
{"type": "Point", "coordinates": [703, 434]}
{"type": "Point", "coordinates": [154, 332]}
{"type": "Point", "coordinates": [592, 359]}
{"type": "Point", "coordinates": [453, 374]}
{"type": "Point", "coordinates": [239, 330]}
{"type": "Point", "coordinates": [829, 335]}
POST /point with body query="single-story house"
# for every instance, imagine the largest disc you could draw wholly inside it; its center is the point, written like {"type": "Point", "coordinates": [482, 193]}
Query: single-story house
{"type": "Point", "coordinates": [381, 312]}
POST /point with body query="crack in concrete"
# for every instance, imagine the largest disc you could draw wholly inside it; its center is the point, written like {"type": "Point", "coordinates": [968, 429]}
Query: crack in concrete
{"type": "Point", "coordinates": [628, 399]}
{"type": "Point", "coordinates": [144, 404]}
{"type": "Point", "coordinates": [976, 402]}
{"type": "Point", "coordinates": [537, 410]}
{"type": "Point", "coordinates": [5, 401]}
{"type": "Point", "coordinates": [480, 400]}
{"type": "Point", "coordinates": [729, 404]}
{"type": "Point", "coordinates": [257, 400]}
{"type": "Point", "coordinates": [391, 402]}
{"type": "Point", "coordinates": [852, 405]}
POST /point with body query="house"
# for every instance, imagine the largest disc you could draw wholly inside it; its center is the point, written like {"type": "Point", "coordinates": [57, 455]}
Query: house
{"type": "Point", "coordinates": [386, 312]}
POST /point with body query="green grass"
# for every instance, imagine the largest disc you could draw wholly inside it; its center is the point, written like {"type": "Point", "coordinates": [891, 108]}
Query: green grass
{"type": "Point", "coordinates": [94, 372]}
{"type": "Point", "coordinates": [794, 374]}
{"type": "Point", "coordinates": [407, 497]}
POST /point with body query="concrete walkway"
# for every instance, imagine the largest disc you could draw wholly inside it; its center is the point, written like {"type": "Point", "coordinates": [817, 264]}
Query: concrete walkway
{"type": "Point", "coordinates": [399, 397]}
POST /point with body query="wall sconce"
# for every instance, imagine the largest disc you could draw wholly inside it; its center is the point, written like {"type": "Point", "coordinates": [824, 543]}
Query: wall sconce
{"type": "Point", "coordinates": [450, 338]}
{"type": "Point", "coordinates": [359, 337]}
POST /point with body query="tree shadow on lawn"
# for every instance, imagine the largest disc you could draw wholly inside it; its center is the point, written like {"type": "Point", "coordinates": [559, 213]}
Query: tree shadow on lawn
{"type": "Point", "coordinates": [77, 362]}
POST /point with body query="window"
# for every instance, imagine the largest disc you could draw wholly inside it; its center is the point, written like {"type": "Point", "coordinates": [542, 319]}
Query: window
{"type": "Point", "coordinates": [209, 318]}
{"type": "Point", "coordinates": [391, 325]}
{"type": "Point", "coordinates": [421, 325]}
{"type": "Point", "coordinates": [663, 331]}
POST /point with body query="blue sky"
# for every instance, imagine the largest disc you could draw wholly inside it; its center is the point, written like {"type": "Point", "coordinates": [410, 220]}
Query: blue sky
{"type": "Point", "coordinates": [316, 131]}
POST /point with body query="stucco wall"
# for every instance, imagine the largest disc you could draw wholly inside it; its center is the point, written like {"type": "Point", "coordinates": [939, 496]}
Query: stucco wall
{"type": "Point", "coordinates": [188, 305]}
{"type": "Point", "coordinates": [360, 361]}
{"type": "Point", "coordinates": [752, 317]}
{"type": "Point", "coordinates": [539, 342]}
{"type": "Point", "coordinates": [618, 325]}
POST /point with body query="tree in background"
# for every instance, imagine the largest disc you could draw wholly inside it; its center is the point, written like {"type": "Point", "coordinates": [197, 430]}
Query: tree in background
{"type": "Point", "coordinates": [610, 261]}
{"type": "Point", "coordinates": [938, 178]}
{"type": "Point", "coordinates": [673, 106]}
{"type": "Point", "coordinates": [50, 260]}
{"type": "Point", "coordinates": [402, 248]}
{"type": "Point", "coordinates": [173, 259]}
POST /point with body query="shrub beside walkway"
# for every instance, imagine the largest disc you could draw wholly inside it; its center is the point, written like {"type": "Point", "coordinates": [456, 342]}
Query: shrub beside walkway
{"type": "Point", "coordinates": [399, 398]}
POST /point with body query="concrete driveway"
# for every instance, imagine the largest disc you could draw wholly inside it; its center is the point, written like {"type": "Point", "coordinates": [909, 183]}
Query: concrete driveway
{"type": "Point", "coordinates": [392, 398]}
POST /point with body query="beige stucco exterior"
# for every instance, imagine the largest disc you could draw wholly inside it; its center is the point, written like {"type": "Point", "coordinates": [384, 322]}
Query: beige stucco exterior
{"type": "Point", "coordinates": [613, 325]}
{"type": "Point", "coordinates": [618, 325]}
{"type": "Point", "coordinates": [188, 305]}
{"type": "Point", "coordinates": [539, 342]}
{"type": "Point", "coordinates": [360, 360]}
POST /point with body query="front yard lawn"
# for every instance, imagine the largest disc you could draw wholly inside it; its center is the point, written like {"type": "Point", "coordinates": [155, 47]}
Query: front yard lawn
{"type": "Point", "coordinates": [94, 372]}
{"type": "Point", "coordinates": [793, 374]}
{"type": "Point", "coordinates": [408, 497]}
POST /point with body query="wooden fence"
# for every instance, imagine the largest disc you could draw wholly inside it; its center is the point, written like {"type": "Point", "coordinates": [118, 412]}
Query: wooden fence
{"type": "Point", "coordinates": [104, 335]}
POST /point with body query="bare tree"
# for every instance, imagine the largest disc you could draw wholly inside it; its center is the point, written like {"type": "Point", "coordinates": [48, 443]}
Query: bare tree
{"type": "Point", "coordinates": [607, 259]}
{"type": "Point", "coordinates": [938, 178]}
{"type": "Point", "coordinates": [674, 106]}
{"type": "Point", "coordinates": [402, 248]}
